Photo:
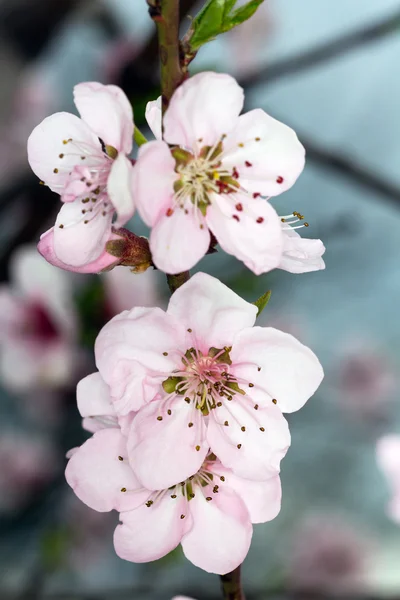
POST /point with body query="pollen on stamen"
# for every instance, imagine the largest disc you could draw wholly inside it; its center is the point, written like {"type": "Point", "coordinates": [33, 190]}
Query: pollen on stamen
{"type": "Point", "coordinates": [173, 496]}
{"type": "Point", "coordinates": [279, 179]}
{"type": "Point", "coordinates": [235, 217]}
{"type": "Point", "coordinates": [251, 384]}
{"type": "Point", "coordinates": [55, 170]}
{"type": "Point", "coordinates": [260, 220]}
{"type": "Point", "coordinates": [197, 448]}
{"type": "Point", "coordinates": [169, 212]}
{"type": "Point", "coordinates": [159, 418]}
{"type": "Point", "coordinates": [274, 401]}
{"type": "Point", "coordinates": [123, 489]}
{"type": "Point", "coordinates": [256, 194]}
{"type": "Point", "coordinates": [149, 503]}
{"type": "Point", "coordinates": [120, 458]}
{"type": "Point", "coordinates": [248, 163]}
{"type": "Point", "coordinates": [258, 368]}
{"type": "Point", "coordinates": [169, 411]}
{"type": "Point", "coordinates": [241, 145]}
{"type": "Point", "coordinates": [208, 498]}
{"type": "Point", "coordinates": [182, 516]}
{"type": "Point", "coordinates": [190, 424]}
{"type": "Point", "coordinates": [235, 173]}
{"type": "Point", "coordinates": [61, 155]}
{"type": "Point", "coordinates": [257, 139]}
{"type": "Point", "coordinates": [262, 429]}
{"type": "Point", "coordinates": [239, 446]}
{"type": "Point", "coordinates": [222, 478]}
{"type": "Point", "coordinates": [187, 400]}
{"type": "Point", "coordinates": [239, 207]}
{"type": "Point", "coordinates": [190, 330]}
{"type": "Point", "coordinates": [256, 407]}
{"type": "Point", "coordinates": [165, 353]}
{"type": "Point", "coordinates": [219, 404]}
{"type": "Point", "coordinates": [215, 489]}
{"type": "Point", "coordinates": [243, 428]}
{"type": "Point", "coordinates": [61, 226]}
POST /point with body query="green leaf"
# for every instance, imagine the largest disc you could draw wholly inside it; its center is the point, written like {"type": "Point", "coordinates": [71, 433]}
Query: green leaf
{"type": "Point", "coordinates": [243, 13]}
{"type": "Point", "coordinates": [208, 23]}
{"type": "Point", "coordinates": [262, 301]}
{"type": "Point", "coordinates": [217, 17]}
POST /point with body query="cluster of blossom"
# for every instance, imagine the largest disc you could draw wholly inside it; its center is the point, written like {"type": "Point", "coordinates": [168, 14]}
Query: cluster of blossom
{"type": "Point", "coordinates": [186, 409]}
{"type": "Point", "coordinates": [213, 171]}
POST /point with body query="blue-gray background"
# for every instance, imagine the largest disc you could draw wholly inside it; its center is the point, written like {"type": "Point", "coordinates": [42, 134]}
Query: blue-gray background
{"type": "Point", "coordinates": [343, 100]}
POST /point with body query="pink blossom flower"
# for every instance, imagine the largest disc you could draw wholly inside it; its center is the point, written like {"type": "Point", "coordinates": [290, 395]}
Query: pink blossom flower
{"type": "Point", "coordinates": [37, 325]}
{"type": "Point", "coordinates": [85, 161]}
{"type": "Point", "coordinates": [328, 556]}
{"type": "Point", "coordinates": [388, 455]}
{"type": "Point", "coordinates": [210, 513]}
{"type": "Point", "coordinates": [220, 181]}
{"type": "Point", "coordinates": [26, 464]}
{"type": "Point", "coordinates": [201, 376]}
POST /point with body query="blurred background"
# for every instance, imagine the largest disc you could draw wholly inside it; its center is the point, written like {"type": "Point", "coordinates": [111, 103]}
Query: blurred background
{"type": "Point", "coordinates": [331, 71]}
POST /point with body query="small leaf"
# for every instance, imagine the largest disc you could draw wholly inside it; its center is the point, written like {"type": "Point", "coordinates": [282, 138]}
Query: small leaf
{"type": "Point", "coordinates": [208, 23]}
{"type": "Point", "coordinates": [262, 301]}
{"type": "Point", "coordinates": [243, 13]}
{"type": "Point", "coordinates": [217, 17]}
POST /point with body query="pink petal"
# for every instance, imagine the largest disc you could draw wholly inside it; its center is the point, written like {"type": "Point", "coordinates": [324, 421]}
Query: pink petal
{"type": "Point", "coordinates": [290, 372]}
{"type": "Point", "coordinates": [136, 351]}
{"type": "Point", "coordinates": [93, 397]}
{"type": "Point", "coordinates": [97, 475]}
{"type": "Point", "coordinates": [108, 112]}
{"type": "Point", "coordinates": [120, 189]}
{"type": "Point", "coordinates": [179, 240]}
{"type": "Point", "coordinates": [163, 452]}
{"type": "Point", "coordinates": [261, 498]}
{"type": "Point", "coordinates": [213, 311]}
{"type": "Point", "coordinates": [202, 109]}
{"type": "Point", "coordinates": [266, 153]}
{"type": "Point", "coordinates": [125, 289]}
{"type": "Point", "coordinates": [45, 146]}
{"type": "Point", "coordinates": [150, 532]}
{"type": "Point", "coordinates": [221, 534]}
{"type": "Point", "coordinates": [301, 255]}
{"type": "Point", "coordinates": [253, 234]}
{"type": "Point", "coordinates": [154, 117]}
{"type": "Point", "coordinates": [43, 285]}
{"type": "Point", "coordinates": [79, 240]}
{"type": "Point", "coordinates": [153, 194]}
{"type": "Point", "coordinates": [256, 452]}
{"type": "Point", "coordinates": [46, 249]}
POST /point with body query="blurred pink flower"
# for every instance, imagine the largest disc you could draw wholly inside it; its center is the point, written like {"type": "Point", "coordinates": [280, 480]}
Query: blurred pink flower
{"type": "Point", "coordinates": [328, 556]}
{"type": "Point", "coordinates": [388, 456]}
{"type": "Point", "coordinates": [85, 161]}
{"type": "Point", "coordinates": [125, 290]}
{"type": "Point", "coordinates": [210, 513]}
{"type": "Point", "coordinates": [366, 380]}
{"type": "Point", "coordinates": [181, 368]}
{"type": "Point", "coordinates": [26, 464]}
{"type": "Point", "coordinates": [38, 325]}
{"type": "Point", "coordinates": [213, 177]}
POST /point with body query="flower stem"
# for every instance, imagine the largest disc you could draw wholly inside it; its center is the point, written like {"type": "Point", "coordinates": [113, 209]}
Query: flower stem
{"type": "Point", "coordinates": [232, 586]}
{"type": "Point", "coordinates": [175, 281]}
{"type": "Point", "coordinates": [165, 13]}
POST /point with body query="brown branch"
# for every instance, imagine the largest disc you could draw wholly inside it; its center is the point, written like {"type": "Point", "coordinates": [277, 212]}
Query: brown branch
{"type": "Point", "coordinates": [329, 51]}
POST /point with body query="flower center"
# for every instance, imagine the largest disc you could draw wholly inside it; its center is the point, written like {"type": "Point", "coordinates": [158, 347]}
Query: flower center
{"type": "Point", "coordinates": [201, 176]}
{"type": "Point", "coordinates": [204, 379]}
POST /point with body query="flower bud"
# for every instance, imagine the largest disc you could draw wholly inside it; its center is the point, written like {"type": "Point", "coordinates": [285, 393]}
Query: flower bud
{"type": "Point", "coordinates": [131, 250]}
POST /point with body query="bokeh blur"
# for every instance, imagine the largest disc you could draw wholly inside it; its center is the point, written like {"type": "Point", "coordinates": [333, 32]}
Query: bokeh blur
{"type": "Point", "coordinates": [328, 69]}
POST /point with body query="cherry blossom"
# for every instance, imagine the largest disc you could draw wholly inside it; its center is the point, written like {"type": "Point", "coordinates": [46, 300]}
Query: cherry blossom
{"type": "Point", "coordinates": [38, 326]}
{"type": "Point", "coordinates": [85, 161]}
{"type": "Point", "coordinates": [327, 555]}
{"type": "Point", "coordinates": [388, 455]}
{"type": "Point", "coordinates": [27, 463]}
{"type": "Point", "coordinates": [213, 168]}
{"type": "Point", "coordinates": [210, 513]}
{"type": "Point", "coordinates": [300, 255]}
{"type": "Point", "coordinates": [201, 376]}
